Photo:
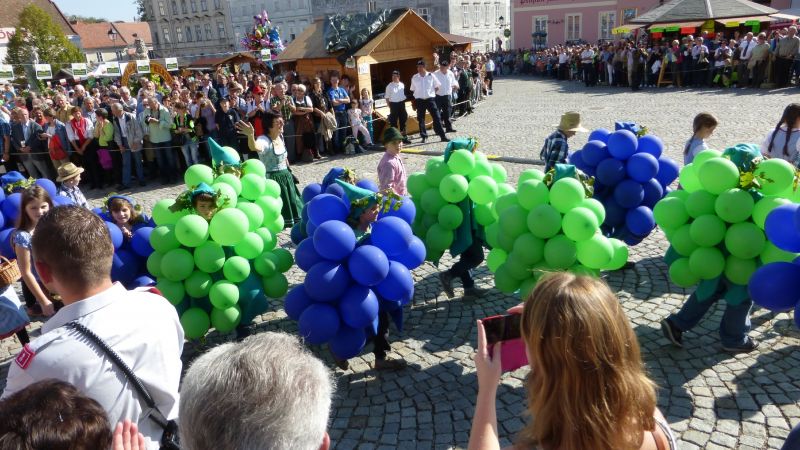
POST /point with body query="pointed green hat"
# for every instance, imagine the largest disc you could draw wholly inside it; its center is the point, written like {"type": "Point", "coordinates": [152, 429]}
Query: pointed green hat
{"type": "Point", "coordinates": [223, 155]}
{"type": "Point", "coordinates": [360, 198]}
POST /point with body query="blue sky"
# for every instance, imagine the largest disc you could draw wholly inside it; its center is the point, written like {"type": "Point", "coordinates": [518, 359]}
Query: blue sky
{"type": "Point", "coordinates": [122, 9]}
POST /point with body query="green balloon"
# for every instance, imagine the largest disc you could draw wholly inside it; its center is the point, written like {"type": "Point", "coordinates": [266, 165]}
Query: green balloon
{"type": "Point", "coordinates": [700, 203]}
{"type": "Point", "coordinates": [198, 173]}
{"type": "Point", "coordinates": [560, 252]}
{"type": "Point", "coordinates": [275, 286]}
{"type": "Point", "coordinates": [505, 240]}
{"type": "Point", "coordinates": [529, 248]}
{"type": "Point", "coordinates": [251, 246]}
{"type": "Point", "coordinates": [198, 284]}
{"type": "Point", "coordinates": [681, 274]}
{"type": "Point", "coordinates": [482, 189]}
{"type": "Point", "coordinates": [717, 175]}
{"type": "Point", "coordinates": [530, 174]}
{"type": "Point", "coordinates": [435, 170]}
{"type": "Point", "coordinates": [482, 169]}
{"type": "Point", "coordinates": [453, 188]}
{"type": "Point", "coordinates": [566, 194]}
{"type": "Point", "coordinates": [267, 237]}
{"type": "Point", "coordinates": [544, 221]}
{"type": "Point", "coordinates": [689, 179]}
{"type": "Point", "coordinates": [533, 193]}
{"type": "Point", "coordinates": [775, 175]}
{"type": "Point", "coordinates": [255, 167]}
{"type": "Point", "coordinates": [707, 262]}
{"type": "Point", "coordinates": [154, 264]}
{"type": "Point", "coordinates": [161, 213]}
{"type": "Point", "coordinates": [226, 320]}
{"type": "Point", "coordinates": [772, 254]}
{"type": "Point", "coordinates": [526, 287]}
{"type": "Point", "coordinates": [484, 214]}
{"type": "Point", "coordinates": [499, 173]}
{"type": "Point", "coordinates": [734, 205]}
{"type": "Point", "coordinates": [177, 264]}
{"type": "Point", "coordinates": [439, 238]}
{"type": "Point", "coordinates": [209, 257]}
{"type": "Point", "coordinates": [450, 216]}
{"type": "Point", "coordinates": [513, 221]}
{"type": "Point", "coordinates": [707, 230]}
{"type": "Point", "coordinates": [596, 207]}
{"type": "Point", "coordinates": [272, 189]}
{"type": "Point", "coordinates": [432, 201]}
{"type": "Point", "coordinates": [270, 208]}
{"type": "Point", "coordinates": [461, 162]}
{"type": "Point", "coordinates": [504, 202]}
{"type": "Point", "coordinates": [580, 224]}
{"type": "Point", "coordinates": [229, 226]}
{"type": "Point", "coordinates": [223, 294]}
{"type": "Point", "coordinates": [171, 290]}
{"type": "Point", "coordinates": [517, 268]}
{"type": "Point", "coordinates": [255, 214]}
{"type": "Point", "coordinates": [492, 235]}
{"type": "Point", "coordinates": [227, 192]}
{"type": "Point", "coordinates": [266, 264]}
{"type": "Point", "coordinates": [191, 230]}
{"type": "Point", "coordinates": [163, 238]}
{"type": "Point", "coordinates": [504, 282]}
{"type": "Point", "coordinates": [195, 323]}
{"type": "Point", "coordinates": [253, 186]}
{"type": "Point", "coordinates": [596, 252]}
{"type": "Point", "coordinates": [285, 259]}
{"type": "Point", "coordinates": [504, 188]}
{"type": "Point", "coordinates": [678, 193]}
{"type": "Point", "coordinates": [738, 270]}
{"type": "Point", "coordinates": [417, 183]}
{"type": "Point", "coordinates": [428, 220]}
{"type": "Point", "coordinates": [670, 213]}
{"type": "Point", "coordinates": [764, 206]}
{"type": "Point", "coordinates": [276, 226]}
{"type": "Point", "coordinates": [495, 258]}
{"type": "Point", "coordinates": [231, 180]}
{"type": "Point", "coordinates": [620, 257]}
{"type": "Point", "coordinates": [704, 156]}
{"type": "Point", "coordinates": [682, 241]}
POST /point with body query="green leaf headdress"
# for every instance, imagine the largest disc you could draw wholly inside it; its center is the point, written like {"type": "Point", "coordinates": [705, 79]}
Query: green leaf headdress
{"type": "Point", "coordinates": [362, 199]}
{"type": "Point", "coordinates": [185, 199]}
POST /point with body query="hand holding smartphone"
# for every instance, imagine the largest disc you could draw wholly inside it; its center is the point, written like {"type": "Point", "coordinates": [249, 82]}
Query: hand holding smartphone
{"type": "Point", "coordinates": [506, 329]}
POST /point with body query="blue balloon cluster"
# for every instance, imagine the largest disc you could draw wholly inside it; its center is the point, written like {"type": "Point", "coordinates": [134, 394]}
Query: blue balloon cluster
{"type": "Point", "coordinates": [129, 264]}
{"type": "Point", "coordinates": [349, 281]}
{"type": "Point", "coordinates": [631, 175]}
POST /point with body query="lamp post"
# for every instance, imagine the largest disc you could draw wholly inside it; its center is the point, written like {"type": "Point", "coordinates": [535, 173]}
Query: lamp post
{"type": "Point", "coordinates": [112, 34]}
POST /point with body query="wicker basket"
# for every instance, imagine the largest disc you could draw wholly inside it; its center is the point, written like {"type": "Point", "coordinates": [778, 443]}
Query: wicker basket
{"type": "Point", "coordinates": [9, 271]}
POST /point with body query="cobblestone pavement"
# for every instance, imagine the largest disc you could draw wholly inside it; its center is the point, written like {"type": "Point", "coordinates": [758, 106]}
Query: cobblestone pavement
{"type": "Point", "coordinates": [711, 399]}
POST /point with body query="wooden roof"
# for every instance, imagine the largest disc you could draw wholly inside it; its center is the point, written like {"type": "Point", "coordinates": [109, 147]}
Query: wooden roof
{"type": "Point", "coordinates": [688, 10]}
{"type": "Point", "coordinates": [10, 10]}
{"type": "Point", "coordinates": [458, 39]}
{"type": "Point", "coordinates": [309, 45]}
{"type": "Point", "coordinates": [236, 58]}
{"type": "Point", "coordinates": [408, 18]}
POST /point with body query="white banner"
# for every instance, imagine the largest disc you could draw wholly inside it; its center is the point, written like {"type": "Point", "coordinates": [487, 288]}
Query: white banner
{"type": "Point", "coordinates": [6, 72]}
{"type": "Point", "coordinates": [79, 70]}
{"type": "Point", "coordinates": [43, 71]}
{"type": "Point", "coordinates": [112, 69]}
{"type": "Point", "coordinates": [142, 66]}
{"type": "Point", "coordinates": [265, 54]}
{"type": "Point", "coordinates": [171, 64]}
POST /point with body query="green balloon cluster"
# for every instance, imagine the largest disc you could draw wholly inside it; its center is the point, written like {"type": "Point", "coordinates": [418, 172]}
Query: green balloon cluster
{"type": "Point", "coordinates": [218, 272]}
{"type": "Point", "coordinates": [715, 224]}
{"type": "Point", "coordinates": [439, 192]}
{"type": "Point", "coordinates": [548, 229]}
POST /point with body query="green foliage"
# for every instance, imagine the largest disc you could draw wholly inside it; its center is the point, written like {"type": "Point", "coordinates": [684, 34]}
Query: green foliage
{"type": "Point", "coordinates": [44, 37]}
{"type": "Point", "coordinates": [86, 19]}
{"type": "Point", "coordinates": [141, 10]}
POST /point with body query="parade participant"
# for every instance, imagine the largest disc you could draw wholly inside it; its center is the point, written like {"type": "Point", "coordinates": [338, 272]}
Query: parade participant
{"type": "Point", "coordinates": [396, 96]}
{"type": "Point", "coordinates": [203, 200]}
{"type": "Point", "coordinates": [444, 97]}
{"type": "Point", "coordinates": [126, 214]}
{"type": "Point", "coordinates": [425, 86]}
{"type": "Point", "coordinates": [703, 127]}
{"type": "Point", "coordinates": [73, 255]}
{"type": "Point", "coordinates": [556, 149]}
{"type": "Point", "coordinates": [69, 175]}
{"type": "Point", "coordinates": [391, 170]}
{"type": "Point", "coordinates": [35, 202]}
{"type": "Point", "coordinates": [784, 141]}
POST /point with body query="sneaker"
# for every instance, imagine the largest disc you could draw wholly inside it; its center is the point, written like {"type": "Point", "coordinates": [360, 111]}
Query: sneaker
{"type": "Point", "coordinates": [748, 346]}
{"type": "Point", "coordinates": [672, 333]}
{"type": "Point", "coordinates": [475, 292]}
{"type": "Point", "coordinates": [447, 284]}
{"type": "Point", "coordinates": [389, 364]}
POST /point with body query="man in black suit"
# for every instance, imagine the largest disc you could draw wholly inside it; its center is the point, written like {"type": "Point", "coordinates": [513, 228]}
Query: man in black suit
{"type": "Point", "coordinates": [32, 149]}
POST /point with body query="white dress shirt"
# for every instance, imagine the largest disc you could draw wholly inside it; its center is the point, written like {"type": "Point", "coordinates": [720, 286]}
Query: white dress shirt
{"type": "Point", "coordinates": [447, 81]}
{"type": "Point", "coordinates": [746, 49]}
{"type": "Point", "coordinates": [395, 92]}
{"type": "Point", "coordinates": [587, 56]}
{"type": "Point", "coordinates": [424, 86]}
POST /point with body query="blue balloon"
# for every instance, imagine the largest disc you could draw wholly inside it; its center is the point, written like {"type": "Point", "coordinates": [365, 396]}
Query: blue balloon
{"type": "Point", "coordinates": [142, 281]}
{"type": "Point", "coordinates": [642, 167]}
{"type": "Point", "coordinates": [99, 212]}
{"type": "Point", "coordinates": [640, 220]}
{"type": "Point", "coordinates": [610, 171]}
{"type": "Point", "coordinates": [305, 256]}
{"type": "Point", "coordinates": [326, 207]}
{"type": "Point", "coordinates": [116, 234]}
{"type": "Point", "coordinates": [368, 265]}
{"type": "Point", "coordinates": [398, 285]}
{"type": "Point", "coordinates": [407, 211]}
{"type": "Point", "coordinates": [326, 281]}
{"type": "Point", "coordinates": [348, 342]}
{"type": "Point", "coordinates": [334, 240]}
{"type": "Point", "coordinates": [651, 144]}
{"type": "Point", "coordinates": [367, 184]}
{"type": "Point", "coordinates": [337, 190]}
{"type": "Point", "coordinates": [628, 193]}
{"type": "Point", "coordinates": [124, 266]}
{"type": "Point", "coordinates": [319, 323]}
{"type": "Point", "coordinates": [414, 256]}
{"type": "Point", "coordinates": [615, 214]}
{"type": "Point", "coordinates": [11, 206]}
{"type": "Point", "coordinates": [6, 248]}
{"type": "Point", "coordinates": [310, 228]}
{"type": "Point", "coordinates": [48, 186]}
{"type": "Point", "coordinates": [776, 286]}
{"type": "Point", "coordinates": [653, 192]}
{"type": "Point", "coordinates": [600, 134]}
{"type": "Point", "coordinates": [296, 301]}
{"type": "Point", "coordinates": [622, 144]}
{"type": "Point", "coordinates": [358, 307]}
{"type": "Point", "coordinates": [780, 227]}
{"type": "Point", "coordinates": [311, 191]}
{"type": "Point", "coordinates": [2, 195]}
{"type": "Point", "coordinates": [576, 160]}
{"type": "Point", "coordinates": [2, 222]}
{"type": "Point", "coordinates": [298, 233]}
{"type": "Point", "coordinates": [60, 200]}
{"type": "Point", "coordinates": [594, 152]}
{"type": "Point", "coordinates": [392, 235]}
{"type": "Point", "coordinates": [141, 242]}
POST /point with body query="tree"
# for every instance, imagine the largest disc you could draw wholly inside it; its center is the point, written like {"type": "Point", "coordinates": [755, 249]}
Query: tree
{"type": "Point", "coordinates": [86, 19]}
{"type": "Point", "coordinates": [141, 10]}
{"type": "Point", "coordinates": [37, 35]}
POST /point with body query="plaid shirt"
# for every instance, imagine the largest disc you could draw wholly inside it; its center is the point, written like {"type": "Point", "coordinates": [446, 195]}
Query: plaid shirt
{"type": "Point", "coordinates": [554, 150]}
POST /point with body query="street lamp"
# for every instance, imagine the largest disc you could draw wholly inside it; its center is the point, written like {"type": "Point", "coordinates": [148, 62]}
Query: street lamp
{"type": "Point", "coordinates": [502, 21]}
{"type": "Point", "coordinates": [112, 34]}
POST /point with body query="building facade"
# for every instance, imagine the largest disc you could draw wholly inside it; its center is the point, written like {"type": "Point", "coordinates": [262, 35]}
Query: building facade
{"type": "Point", "coordinates": [290, 16]}
{"type": "Point", "coordinates": [112, 41]}
{"type": "Point", "coordinates": [9, 16]}
{"type": "Point", "coordinates": [190, 29]}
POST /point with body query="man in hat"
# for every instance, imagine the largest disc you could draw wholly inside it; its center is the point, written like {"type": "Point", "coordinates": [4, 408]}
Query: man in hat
{"type": "Point", "coordinates": [425, 88]}
{"type": "Point", "coordinates": [396, 97]}
{"type": "Point", "coordinates": [69, 175]}
{"type": "Point", "coordinates": [555, 149]}
{"type": "Point", "coordinates": [444, 97]}
{"type": "Point", "coordinates": [391, 170]}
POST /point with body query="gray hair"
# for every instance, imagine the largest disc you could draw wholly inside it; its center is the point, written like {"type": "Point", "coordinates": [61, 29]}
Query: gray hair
{"type": "Point", "coordinates": [267, 392]}
{"type": "Point", "coordinates": [117, 107]}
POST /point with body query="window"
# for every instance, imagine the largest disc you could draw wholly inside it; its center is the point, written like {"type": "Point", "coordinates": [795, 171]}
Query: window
{"type": "Point", "coordinates": [607, 22]}
{"type": "Point", "coordinates": [118, 55]}
{"type": "Point", "coordinates": [150, 54]}
{"type": "Point", "coordinates": [204, 5]}
{"type": "Point", "coordinates": [217, 4]}
{"type": "Point", "coordinates": [476, 21]}
{"type": "Point", "coordinates": [372, 6]}
{"type": "Point", "coordinates": [165, 31]}
{"type": "Point", "coordinates": [174, 8]}
{"type": "Point", "coordinates": [161, 9]}
{"type": "Point", "coordinates": [423, 12]}
{"type": "Point", "coordinates": [198, 34]}
{"type": "Point", "coordinates": [208, 31]}
{"type": "Point", "coordinates": [572, 24]}
{"type": "Point", "coordinates": [194, 6]}
{"type": "Point", "coordinates": [221, 29]}
{"type": "Point", "coordinates": [189, 34]}
{"type": "Point", "coordinates": [179, 33]}
{"type": "Point", "coordinates": [487, 14]}
{"type": "Point", "coordinates": [497, 13]}
{"type": "Point", "coordinates": [183, 7]}
{"type": "Point", "coordinates": [464, 16]}
{"type": "Point", "coordinates": [99, 56]}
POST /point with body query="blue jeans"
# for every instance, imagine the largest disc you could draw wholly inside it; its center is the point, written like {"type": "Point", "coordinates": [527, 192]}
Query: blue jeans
{"type": "Point", "coordinates": [165, 156]}
{"type": "Point", "coordinates": [733, 327]}
{"type": "Point", "coordinates": [342, 124]}
{"type": "Point", "coordinates": [126, 166]}
{"type": "Point", "coordinates": [190, 153]}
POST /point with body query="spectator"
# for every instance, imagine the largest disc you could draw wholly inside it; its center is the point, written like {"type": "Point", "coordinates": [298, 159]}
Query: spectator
{"type": "Point", "coordinates": [128, 102]}
{"type": "Point", "coordinates": [357, 124]}
{"type": "Point", "coordinates": [305, 142]}
{"type": "Point", "coordinates": [208, 90]}
{"type": "Point", "coordinates": [80, 131]}
{"type": "Point", "coordinates": [323, 116]}
{"type": "Point", "coordinates": [128, 134]}
{"type": "Point", "coordinates": [758, 62]}
{"type": "Point", "coordinates": [395, 95]}
{"type": "Point", "coordinates": [703, 127]}
{"type": "Point", "coordinates": [26, 140]}
{"type": "Point", "coordinates": [587, 388]}
{"type": "Point", "coordinates": [183, 134]}
{"type": "Point", "coordinates": [784, 141]}
{"type": "Point", "coordinates": [283, 104]}
{"type": "Point", "coordinates": [157, 122]}
{"type": "Point", "coordinates": [226, 119]}
{"type": "Point", "coordinates": [366, 104]}
{"type": "Point", "coordinates": [785, 52]}
{"type": "Point", "coordinates": [746, 47]}
{"type": "Point", "coordinates": [425, 87]}
{"type": "Point", "coordinates": [339, 101]}
{"type": "Point", "coordinates": [269, 393]}
{"type": "Point", "coordinates": [57, 141]}
{"type": "Point", "coordinates": [98, 156]}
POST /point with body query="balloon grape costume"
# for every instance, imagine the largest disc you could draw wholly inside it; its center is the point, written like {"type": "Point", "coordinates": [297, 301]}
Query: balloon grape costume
{"type": "Point", "coordinates": [218, 268]}
{"type": "Point", "coordinates": [715, 224]}
{"type": "Point", "coordinates": [551, 223]}
{"type": "Point", "coordinates": [264, 36]}
{"type": "Point", "coordinates": [129, 264]}
{"type": "Point", "coordinates": [631, 176]}
{"type": "Point", "coordinates": [353, 270]}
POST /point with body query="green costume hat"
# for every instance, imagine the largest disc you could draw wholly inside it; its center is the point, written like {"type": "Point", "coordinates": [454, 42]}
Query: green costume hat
{"type": "Point", "coordinates": [470, 144]}
{"type": "Point", "coordinates": [391, 134]}
{"type": "Point", "coordinates": [184, 201]}
{"type": "Point", "coordinates": [224, 159]}
{"type": "Point", "coordinates": [362, 199]}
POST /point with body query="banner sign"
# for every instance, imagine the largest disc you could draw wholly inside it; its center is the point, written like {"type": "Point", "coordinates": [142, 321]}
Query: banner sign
{"type": "Point", "coordinates": [171, 64]}
{"type": "Point", "coordinates": [6, 72]}
{"type": "Point", "coordinates": [43, 71]}
{"type": "Point", "coordinates": [265, 54]}
{"type": "Point", "coordinates": [112, 69]}
{"type": "Point", "coordinates": [79, 70]}
{"type": "Point", "coordinates": [142, 66]}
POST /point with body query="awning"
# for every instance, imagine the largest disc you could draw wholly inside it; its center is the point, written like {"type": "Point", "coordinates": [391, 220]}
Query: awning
{"type": "Point", "coordinates": [679, 25]}
{"type": "Point", "coordinates": [625, 28]}
{"type": "Point", "coordinates": [749, 21]}
{"type": "Point", "coordinates": [784, 16]}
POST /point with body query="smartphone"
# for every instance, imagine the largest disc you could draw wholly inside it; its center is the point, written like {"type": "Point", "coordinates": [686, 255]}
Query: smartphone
{"type": "Point", "coordinates": [506, 329]}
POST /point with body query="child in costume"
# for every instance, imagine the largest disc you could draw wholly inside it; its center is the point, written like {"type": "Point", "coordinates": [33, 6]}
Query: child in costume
{"type": "Point", "coordinates": [203, 200]}
{"type": "Point", "coordinates": [555, 149]}
{"type": "Point", "coordinates": [69, 175]}
{"type": "Point", "coordinates": [126, 214]}
{"type": "Point", "coordinates": [391, 170]}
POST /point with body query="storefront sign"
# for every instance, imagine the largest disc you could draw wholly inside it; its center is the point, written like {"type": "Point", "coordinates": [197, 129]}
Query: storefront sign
{"type": "Point", "coordinates": [112, 69]}
{"type": "Point", "coordinates": [142, 66]}
{"type": "Point", "coordinates": [79, 70]}
{"type": "Point", "coordinates": [6, 72]}
{"type": "Point", "coordinates": [43, 71]}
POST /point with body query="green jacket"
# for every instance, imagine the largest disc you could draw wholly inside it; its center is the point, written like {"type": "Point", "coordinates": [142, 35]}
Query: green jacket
{"type": "Point", "coordinates": [469, 230]}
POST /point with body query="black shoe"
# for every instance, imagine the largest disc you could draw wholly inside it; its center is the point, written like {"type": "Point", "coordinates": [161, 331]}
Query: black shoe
{"type": "Point", "coordinates": [451, 131]}
{"type": "Point", "coordinates": [341, 363]}
{"type": "Point", "coordinates": [475, 292]}
{"type": "Point", "coordinates": [444, 139]}
{"type": "Point", "coordinates": [672, 333]}
{"type": "Point", "coordinates": [424, 138]}
{"type": "Point", "coordinates": [748, 346]}
{"type": "Point", "coordinates": [406, 140]}
{"type": "Point", "coordinates": [122, 187]}
{"type": "Point", "coordinates": [447, 284]}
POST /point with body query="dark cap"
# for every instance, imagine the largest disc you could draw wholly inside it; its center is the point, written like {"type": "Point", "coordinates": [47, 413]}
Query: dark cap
{"type": "Point", "coordinates": [395, 72]}
{"type": "Point", "coordinates": [420, 63]}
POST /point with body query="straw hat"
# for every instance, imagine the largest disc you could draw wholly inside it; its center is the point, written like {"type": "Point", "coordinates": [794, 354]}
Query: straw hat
{"type": "Point", "coordinates": [571, 121]}
{"type": "Point", "coordinates": [68, 171]}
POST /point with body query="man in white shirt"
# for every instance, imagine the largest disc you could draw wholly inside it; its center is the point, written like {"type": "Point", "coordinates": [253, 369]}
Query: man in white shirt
{"type": "Point", "coordinates": [563, 64]}
{"type": "Point", "coordinates": [425, 87]}
{"type": "Point", "coordinates": [396, 97]}
{"type": "Point", "coordinates": [746, 47]}
{"type": "Point", "coordinates": [444, 97]}
{"type": "Point", "coordinates": [72, 253]}
{"type": "Point", "coordinates": [587, 64]}
{"type": "Point", "coordinates": [490, 68]}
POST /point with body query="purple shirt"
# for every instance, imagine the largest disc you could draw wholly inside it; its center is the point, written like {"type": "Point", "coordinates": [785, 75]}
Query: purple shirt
{"type": "Point", "coordinates": [392, 174]}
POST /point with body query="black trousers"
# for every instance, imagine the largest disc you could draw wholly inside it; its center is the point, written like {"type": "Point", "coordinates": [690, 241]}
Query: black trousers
{"type": "Point", "coordinates": [381, 340]}
{"type": "Point", "coordinates": [463, 101]}
{"type": "Point", "coordinates": [782, 71]}
{"type": "Point", "coordinates": [429, 105]}
{"type": "Point", "coordinates": [445, 105]}
{"type": "Point", "coordinates": [397, 112]}
{"type": "Point", "coordinates": [588, 74]}
{"type": "Point", "coordinates": [470, 259]}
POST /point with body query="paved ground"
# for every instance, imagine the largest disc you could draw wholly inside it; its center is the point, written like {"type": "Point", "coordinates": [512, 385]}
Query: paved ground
{"type": "Point", "coordinates": [711, 399]}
